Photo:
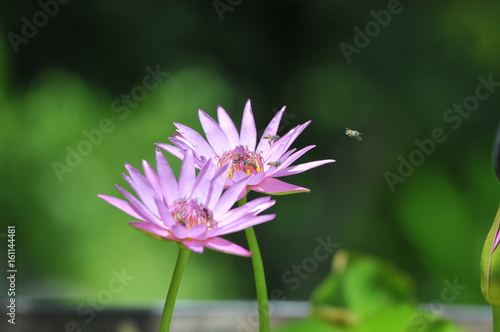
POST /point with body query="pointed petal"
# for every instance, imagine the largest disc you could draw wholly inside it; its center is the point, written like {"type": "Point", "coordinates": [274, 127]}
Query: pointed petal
{"type": "Point", "coordinates": [193, 245]}
{"type": "Point", "coordinates": [173, 150]}
{"type": "Point", "coordinates": [251, 208]}
{"type": "Point", "coordinates": [281, 146]}
{"type": "Point", "coordinates": [226, 246]}
{"type": "Point", "coordinates": [227, 125]}
{"type": "Point", "coordinates": [277, 187]}
{"type": "Point", "coordinates": [248, 133]}
{"type": "Point", "coordinates": [302, 167]}
{"type": "Point", "coordinates": [181, 142]}
{"type": "Point", "coordinates": [180, 232]}
{"type": "Point", "coordinates": [271, 129]}
{"type": "Point", "coordinates": [216, 137]}
{"type": "Point", "coordinates": [152, 178]}
{"type": "Point", "coordinates": [282, 159]}
{"type": "Point", "coordinates": [165, 214]}
{"type": "Point", "coordinates": [139, 208]}
{"type": "Point", "coordinates": [167, 179]}
{"type": "Point", "coordinates": [142, 187]}
{"type": "Point", "coordinates": [228, 198]}
{"type": "Point", "coordinates": [245, 223]}
{"type": "Point", "coordinates": [256, 178]}
{"type": "Point", "coordinates": [201, 185]}
{"type": "Point", "coordinates": [180, 148]}
{"type": "Point", "coordinates": [187, 175]}
{"type": "Point", "coordinates": [287, 160]}
{"type": "Point", "coordinates": [238, 176]}
{"type": "Point", "coordinates": [196, 140]}
{"type": "Point", "coordinates": [152, 230]}
{"type": "Point", "coordinates": [216, 186]}
{"type": "Point", "coordinates": [122, 205]}
{"type": "Point", "coordinates": [198, 232]}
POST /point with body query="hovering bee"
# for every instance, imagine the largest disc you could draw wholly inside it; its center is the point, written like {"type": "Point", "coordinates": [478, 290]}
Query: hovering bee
{"type": "Point", "coordinates": [354, 133]}
{"type": "Point", "coordinates": [272, 138]}
{"type": "Point", "coordinates": [274, 163]}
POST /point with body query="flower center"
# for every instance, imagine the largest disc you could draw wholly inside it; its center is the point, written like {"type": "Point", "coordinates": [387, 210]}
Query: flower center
{"type": "Point", "coordinates": [188, 213]}
{"type": "Point", "coordinates": [241, 159]}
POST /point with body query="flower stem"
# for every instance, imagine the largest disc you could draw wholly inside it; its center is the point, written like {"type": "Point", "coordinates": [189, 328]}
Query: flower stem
{"type": "Point", "coordinates": [168, 310]}
{"type": "Point", "coordinates": [259, 275]}
{"type": "Point", "coordinates": [496, 318]}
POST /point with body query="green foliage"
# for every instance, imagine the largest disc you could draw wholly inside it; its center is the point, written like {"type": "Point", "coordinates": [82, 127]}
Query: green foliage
{"type": "Point", "coordinates": [358, 282]}
{"type": "Point", "coordinates": [315, 324]}
{"type": "Point", "coordinates": [365, 294]}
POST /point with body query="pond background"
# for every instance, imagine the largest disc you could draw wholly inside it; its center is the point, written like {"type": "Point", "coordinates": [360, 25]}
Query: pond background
{"type": "Point", "coordinates": [72, 77]}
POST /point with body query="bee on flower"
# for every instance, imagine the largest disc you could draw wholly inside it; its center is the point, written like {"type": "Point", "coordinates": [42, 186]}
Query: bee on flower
{"type": "Point", "coordinates": [353, 133]}
{"type": "Point", "coordinates": [274, 163]}
{"type": "Point", "coordinates": [237, 157]}
{"type": "Point", "coordinates": [244, 152]}
{"type": "Point", "coordinates": [194, 210]}
{"type": "Point", "coordinates": [271, 138]}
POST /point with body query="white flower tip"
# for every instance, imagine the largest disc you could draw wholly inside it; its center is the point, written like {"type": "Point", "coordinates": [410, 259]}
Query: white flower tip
{"type": "Point", "coordinates": [219, 107]}
{"type": "Point", "coordinates": [248, 106]}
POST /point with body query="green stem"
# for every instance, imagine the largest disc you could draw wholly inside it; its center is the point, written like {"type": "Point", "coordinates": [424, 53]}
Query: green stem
{"type": "Point", "coordinates": [259, 275]}
{"type": "Point", "coordinates": [168, 310]}
{"type": "Point", "coordinates": [496, 318]}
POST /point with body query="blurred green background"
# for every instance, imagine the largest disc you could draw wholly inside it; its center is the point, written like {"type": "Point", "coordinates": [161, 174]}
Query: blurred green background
{"type": "Point", "coordinates": [63, 80]}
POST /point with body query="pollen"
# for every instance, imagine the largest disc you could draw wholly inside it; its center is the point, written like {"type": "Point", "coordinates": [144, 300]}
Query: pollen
{"type": "Point", "coordinates": [242, 160]}
{"type": "Point", "coordinates": [188, 213]}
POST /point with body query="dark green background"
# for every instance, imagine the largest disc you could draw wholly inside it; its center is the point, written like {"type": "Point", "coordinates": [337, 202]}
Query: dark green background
{"type": "Point", "coordinates": [395, 90]}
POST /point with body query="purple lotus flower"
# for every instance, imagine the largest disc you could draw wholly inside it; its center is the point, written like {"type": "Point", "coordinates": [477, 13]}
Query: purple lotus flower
{"type": "Point", "coordinates": [194, 210]}
{"type": "Point", "coordinates": [261, 163]}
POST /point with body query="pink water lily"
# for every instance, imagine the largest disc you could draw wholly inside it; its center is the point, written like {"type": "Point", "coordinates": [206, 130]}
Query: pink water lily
{"type": "Point", "coordinates": [261, 163]}
{"type": "Point", "coordinates": [194, 210]}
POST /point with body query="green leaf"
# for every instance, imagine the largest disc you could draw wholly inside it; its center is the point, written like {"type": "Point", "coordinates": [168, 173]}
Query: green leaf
{"type": "Point", "coordinates": [387, 319]}
{"type": "Point", "coordinates": [363, 285]}
{"type": "Point", "coordinates": [313, 324]}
